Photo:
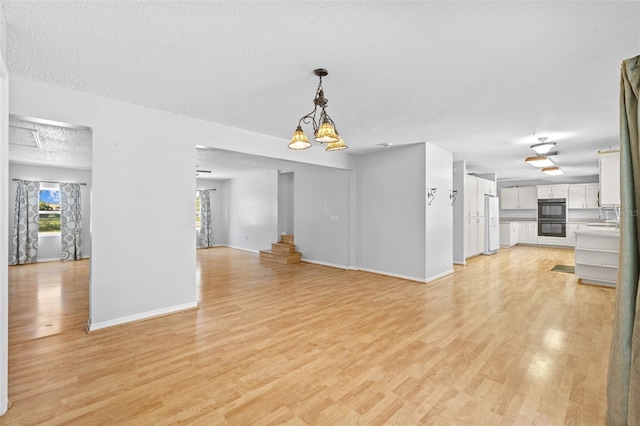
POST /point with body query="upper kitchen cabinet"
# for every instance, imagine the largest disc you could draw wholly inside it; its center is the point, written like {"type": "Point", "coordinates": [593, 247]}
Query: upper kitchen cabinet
{"type": "Point", "coordinates": [609, 178]}
{"type": "Point", "coordinates": [584, 196]}
{"type": "Point", "coordinates": [552, 191]}
{"type": "Point", "coordinates": [474, 191]}
{"type": "Point", "coordinates": [486, 187]}
{"type": "Point", "coordinates": [518, 198]}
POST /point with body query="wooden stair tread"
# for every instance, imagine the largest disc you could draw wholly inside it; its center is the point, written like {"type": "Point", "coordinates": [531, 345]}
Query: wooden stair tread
{"type": "Point", "coordinates": [283, 248]}
{"type": "Point", "coordinates": [288, 258]}
{"type": "Point", "coordinates": [283, 251]}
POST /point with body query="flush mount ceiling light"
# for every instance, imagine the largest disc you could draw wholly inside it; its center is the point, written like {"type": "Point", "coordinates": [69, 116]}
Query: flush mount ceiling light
{"type": "Point", "coordinates": [543, 147]}
{"type": "Point", "coordinates": [324, 129]}
{"type": "Point", "coordinates": [553, 171]}
{"type": "Point", "coordinates": [539, 161]}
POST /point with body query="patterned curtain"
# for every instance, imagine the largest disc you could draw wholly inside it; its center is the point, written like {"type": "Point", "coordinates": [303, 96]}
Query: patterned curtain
{"type": "Point", "coordinates": [206, 223]}
{"type": "Point", "coordinates": [70, 221]}
{"type": "Point", "coordinates": [25, 223]}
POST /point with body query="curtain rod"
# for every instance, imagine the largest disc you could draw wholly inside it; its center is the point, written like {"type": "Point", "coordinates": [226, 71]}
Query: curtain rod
{"type": "Point", "coordinates": [50, 181]}
{"type": "Point", "coordinates": [210, 189]}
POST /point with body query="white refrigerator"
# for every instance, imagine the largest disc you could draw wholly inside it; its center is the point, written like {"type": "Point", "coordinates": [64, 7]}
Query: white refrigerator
{"type": "Point", "coordinates": [492, 225]}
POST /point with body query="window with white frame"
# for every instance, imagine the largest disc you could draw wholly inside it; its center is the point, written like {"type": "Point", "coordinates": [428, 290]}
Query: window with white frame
{"type": "Point", "coordinates": [49, 209]}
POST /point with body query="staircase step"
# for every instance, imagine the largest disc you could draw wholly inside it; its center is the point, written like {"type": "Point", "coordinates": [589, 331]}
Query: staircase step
{"type": "Point", "coordinates": [289, 258]}
{"type": "Point", "coordinates": [286, 239]}
{"type": "Point", "coordinates": [281, 248]}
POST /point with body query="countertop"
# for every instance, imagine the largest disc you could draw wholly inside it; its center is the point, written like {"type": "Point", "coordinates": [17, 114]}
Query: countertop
{"type": "Point", "coordinates": [595, 222]}
{"type": "Point", "coordinates": [603, 231]}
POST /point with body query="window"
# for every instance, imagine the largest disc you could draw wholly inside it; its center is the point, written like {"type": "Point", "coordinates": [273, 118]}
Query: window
{"type": "Point", "coordinates": [49, 210]}
{"type": "Point", "coordinates": [197, 210]}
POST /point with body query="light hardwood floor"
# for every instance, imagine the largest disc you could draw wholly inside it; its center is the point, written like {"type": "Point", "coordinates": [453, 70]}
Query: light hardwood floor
{"type": "Point", "coordinates": [501, 341]}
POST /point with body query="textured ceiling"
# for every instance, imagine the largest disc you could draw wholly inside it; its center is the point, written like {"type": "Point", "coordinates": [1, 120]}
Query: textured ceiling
{"type": "Point", "coordinates": [224, 164]}
{"type": "Point", "coordinates": [56, 144]}
{"type": "Point", "coordinates": [476, 78]}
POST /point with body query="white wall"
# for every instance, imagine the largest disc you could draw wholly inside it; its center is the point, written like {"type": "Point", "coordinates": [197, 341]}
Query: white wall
{"type": "Point", "coordinates": [253, 210]}
{"type": "Point", "coordinates": [49, 245]}
{"type": "Point", "coordinates": [391, 212]}
{"type": "Point", "coordinates": [439, 215]}
{"type": "Point", "coordinates": [4, 210]}
{"type": "Point", "coordinates": [321, 205]}
{"type": "Point", "coordinates": [459, 172]}
{"type": "Point", "coordinates": [144, 264]}
{"type": "Point", "coordinates": [286, 210]}
{"type": "Point", "coordinates": [217, 210]}
{"type": "Point", "coordinates": [143, 256]}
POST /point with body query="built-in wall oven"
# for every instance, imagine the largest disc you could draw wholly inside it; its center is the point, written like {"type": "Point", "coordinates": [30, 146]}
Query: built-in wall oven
{"type": "Point", "coordinates": [552, 217]}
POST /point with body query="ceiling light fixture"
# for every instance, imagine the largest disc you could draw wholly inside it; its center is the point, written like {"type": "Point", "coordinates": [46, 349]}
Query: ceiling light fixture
{"type": "Point", "coordinates": [543, 147]}
{"type": "Point", "coordinates": [553, 171]}
{"type": "Point", "coordinates": [324, 129]}
{"type": "Point", "coordinates": [539, 161]}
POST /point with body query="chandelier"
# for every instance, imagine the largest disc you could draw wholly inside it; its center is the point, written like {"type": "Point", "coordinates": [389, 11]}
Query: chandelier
{"type": "Point", "coordinates": [324, 129]}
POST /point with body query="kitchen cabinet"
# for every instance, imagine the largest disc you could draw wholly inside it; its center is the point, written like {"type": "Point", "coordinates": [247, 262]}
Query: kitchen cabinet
{"type": "Point", "coordinates": [527, 233]}
{"type": "Point", "coordinates": [583, 196]}
{"type": "Point", "coordinates": [533, 232]}
{"type": "Point", "coordinates": [596, 256]}
{"type": "Point", "coordinates": [509, 234]}
{"type": "Point", "coordinates": [552, 241]}
{"type": "Point", "coordinates": [474, 191]}
{"type": "Point", "coordinates": [609, 178]}
{"type": "Point", "coordinates": [486, 187]}
{"type": "Point", "coordinates": [519, 198]}
{"type": "Point", "coordinates": [475, 236]}
{"type": "Point", "coordinates": [552, 191]}
{"type": "Point", "coordinates": [471, 208]}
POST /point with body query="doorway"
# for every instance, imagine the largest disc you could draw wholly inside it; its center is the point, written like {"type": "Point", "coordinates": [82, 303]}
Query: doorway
{"type": "Point", "coordinates": [51, 153]}
{"type": "Point", "coordinates": [286, 210]}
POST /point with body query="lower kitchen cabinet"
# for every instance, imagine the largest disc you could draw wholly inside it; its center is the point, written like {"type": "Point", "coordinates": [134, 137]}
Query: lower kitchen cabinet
{"type": "Point", "coordinates": [509, 234]}
{"type": "Point", "coordinates": [552, 241]}
{"type": "Point", "coordinates": [527, 233]}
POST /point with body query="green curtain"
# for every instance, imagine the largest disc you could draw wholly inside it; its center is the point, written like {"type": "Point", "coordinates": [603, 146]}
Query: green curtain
{"type": "Point", "coordinates": [623, 385]}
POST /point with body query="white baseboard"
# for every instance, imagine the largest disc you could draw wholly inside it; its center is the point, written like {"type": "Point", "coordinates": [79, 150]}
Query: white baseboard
{"type": "Point", "coordinates": [57, 259]}
{"type": "Point", "coordinates": [243, 249]}
{"type": "Point", "coordinates": [435, 277]}
{"type": "Point", "coordinates": [142, 316]}
{"type": "Point", "coordinates": [215, 245]}
{"type": "Point", "coordinates": [317, 262]}
{"type": "Point", "coordinates": [390, 274]}
{"type": "Point", "coordinates": [455, 262]}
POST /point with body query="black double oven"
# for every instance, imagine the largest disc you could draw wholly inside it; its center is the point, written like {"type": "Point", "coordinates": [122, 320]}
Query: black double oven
{"type": "Point", "coordinates": [552, 217]}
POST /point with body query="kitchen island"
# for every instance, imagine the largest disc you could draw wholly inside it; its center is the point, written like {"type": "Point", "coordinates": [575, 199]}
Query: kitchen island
{"type": "Point", "coordinates": [596, 255]}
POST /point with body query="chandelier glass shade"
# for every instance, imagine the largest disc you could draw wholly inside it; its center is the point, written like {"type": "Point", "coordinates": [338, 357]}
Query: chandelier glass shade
{"type": "Point", "coordinates": [539, 161]}
{"type": "Point", "coordinates": [324, 129]}
{"type": "Point", "coordinates": [543, 147]}
{"type": "Point", "coordinates": [299, 140]}
{"type": "Point", "coordinates": [336, 146]}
